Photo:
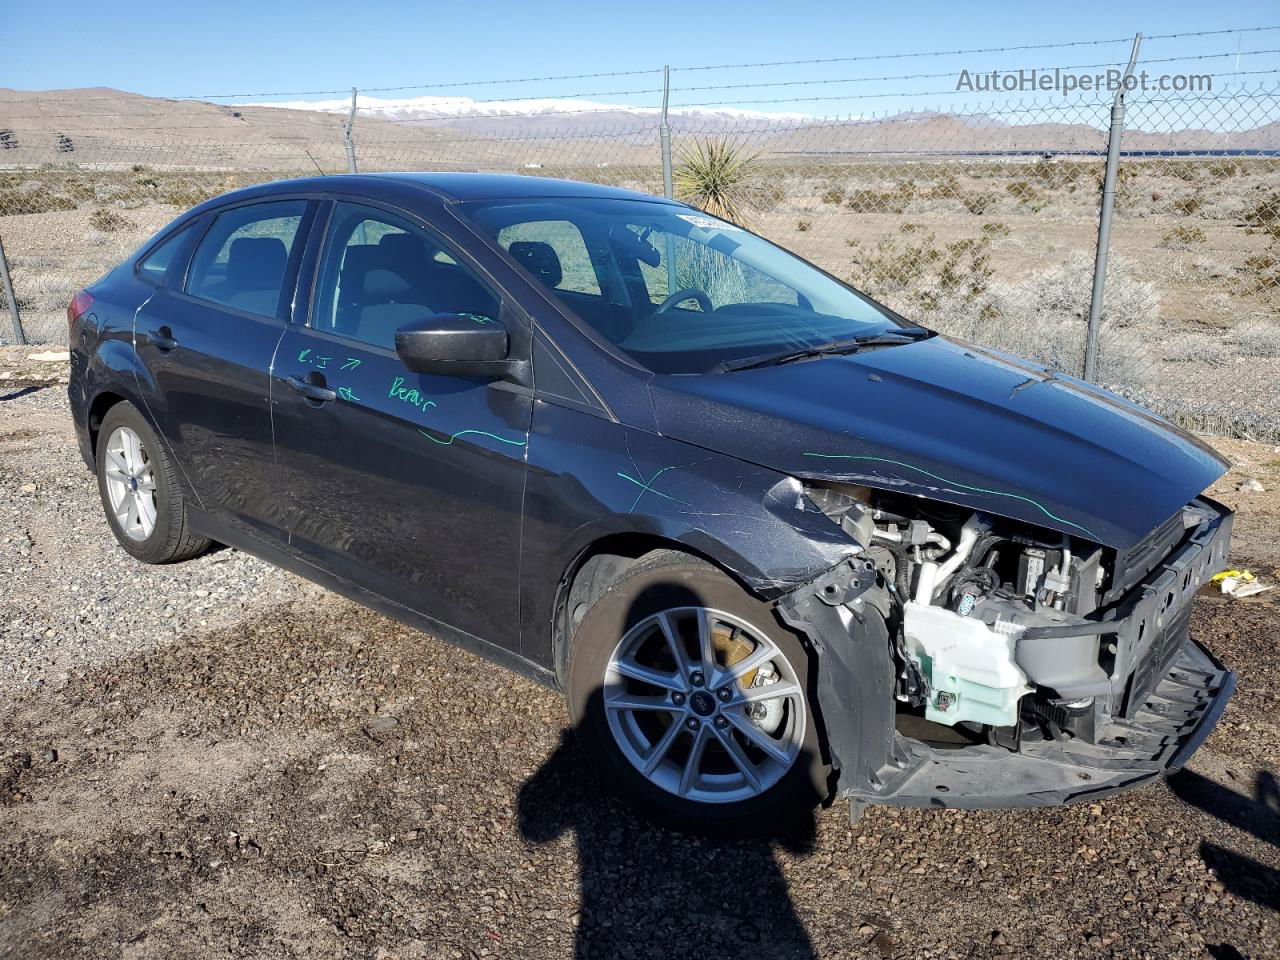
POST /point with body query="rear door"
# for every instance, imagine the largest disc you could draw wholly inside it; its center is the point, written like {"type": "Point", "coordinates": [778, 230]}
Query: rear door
{"type": "Point", "coordinates": [408, 484]}
{"type": "Point", "coordinates": [207, 344]}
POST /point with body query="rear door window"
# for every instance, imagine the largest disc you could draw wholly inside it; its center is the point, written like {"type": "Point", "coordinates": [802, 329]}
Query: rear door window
{"type": "Point", "coordinates": [243, 259]}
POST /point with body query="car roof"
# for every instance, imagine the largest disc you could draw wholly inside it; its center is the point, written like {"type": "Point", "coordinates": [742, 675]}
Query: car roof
{"type": "Point", "coordinates": [506, 186]}
{"type": "Point", "coordinates": [451, 186]}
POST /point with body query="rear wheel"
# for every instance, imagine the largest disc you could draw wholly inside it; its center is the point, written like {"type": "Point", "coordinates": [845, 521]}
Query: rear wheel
{"type": "Point", "coordinates": [140, 493]}
{"type": "Point", "coordinates": [692, 700]}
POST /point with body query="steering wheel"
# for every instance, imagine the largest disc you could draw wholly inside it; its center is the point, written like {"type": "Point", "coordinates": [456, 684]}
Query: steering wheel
{"type": "Point", "coordinates": [688, 293]}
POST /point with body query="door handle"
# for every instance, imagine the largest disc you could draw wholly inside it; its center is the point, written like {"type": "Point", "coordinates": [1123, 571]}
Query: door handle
{"type": "Point", "coordinates": [312, 391]}
{"type": "Point", "coordinates": [163, 339]}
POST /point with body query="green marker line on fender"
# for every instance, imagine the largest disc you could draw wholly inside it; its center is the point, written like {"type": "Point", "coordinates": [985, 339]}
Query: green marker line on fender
{"type": "Point", "coordinates": [463, 433]}
{"type": "Point", "coordinates": [956, 483]}
{"type": "Point", "coordinates": [648, 487]}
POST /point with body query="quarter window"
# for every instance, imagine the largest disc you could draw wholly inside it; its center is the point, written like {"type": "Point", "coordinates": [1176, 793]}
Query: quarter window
{"type": "Point", "coordinates": [155, 266]}
{"type": "Point", "coordinates": [380, 272]}
{"type": "Point", "coordinates": [243, 259]}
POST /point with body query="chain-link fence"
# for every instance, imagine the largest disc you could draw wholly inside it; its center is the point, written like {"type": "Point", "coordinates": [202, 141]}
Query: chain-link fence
{"type": "Point", "coordinates": [979, 221]}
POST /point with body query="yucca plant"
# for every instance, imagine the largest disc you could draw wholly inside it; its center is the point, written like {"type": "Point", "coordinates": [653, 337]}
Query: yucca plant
{"type": "Point", "coordinates": [717, 176]}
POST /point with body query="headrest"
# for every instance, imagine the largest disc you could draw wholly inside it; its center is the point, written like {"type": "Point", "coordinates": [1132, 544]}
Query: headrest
{"type": "Point", "coordinates": [404, 251]}
{"type": "Point", "coordinates": [256, 263]}
{"type": "Point", "coordinates": [539, 259]}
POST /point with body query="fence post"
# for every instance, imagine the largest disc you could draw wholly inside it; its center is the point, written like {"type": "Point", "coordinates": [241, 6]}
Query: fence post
{"type": "Point", "coordinates": [18, 336]}
{"type": "Point", "coordinates": [1104, 217]}
{"type": "Point", "coordinates": [668, 191]}
{"type": "Point", "coordinates": [351, 144]}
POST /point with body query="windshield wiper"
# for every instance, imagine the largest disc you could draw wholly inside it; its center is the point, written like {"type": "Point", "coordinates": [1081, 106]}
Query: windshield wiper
{"type": "Point", "coordinates": [885, 338]}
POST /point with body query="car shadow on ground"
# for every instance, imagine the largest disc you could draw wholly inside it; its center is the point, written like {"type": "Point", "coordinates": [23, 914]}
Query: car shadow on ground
{"type": "Point", "coordinates": [696, 897]}
{"type": "Point", "coordinates": [1258, 816]}
{"type": "Point", "coordinates": [22, 392]}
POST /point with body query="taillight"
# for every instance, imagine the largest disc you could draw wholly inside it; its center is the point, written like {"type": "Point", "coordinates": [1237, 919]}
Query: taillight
{"type": "Point", "coordinates": [76, 309]}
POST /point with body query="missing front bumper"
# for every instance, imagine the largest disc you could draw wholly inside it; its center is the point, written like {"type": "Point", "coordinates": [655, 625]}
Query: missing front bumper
{"type": "Point", "coordinates": [1167, 694]}
{"type": "Point", "coordinates": [1165, 730]}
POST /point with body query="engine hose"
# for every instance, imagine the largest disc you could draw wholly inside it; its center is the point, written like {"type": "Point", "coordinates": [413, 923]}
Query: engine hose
{"type": "Point", "coordinates": [901, 569]}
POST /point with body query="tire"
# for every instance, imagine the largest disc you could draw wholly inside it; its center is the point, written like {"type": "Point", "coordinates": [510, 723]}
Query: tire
{"type": "Point", "coordinates": [154, 528]}
{"type": "Point", "coordinates": [623, 629]}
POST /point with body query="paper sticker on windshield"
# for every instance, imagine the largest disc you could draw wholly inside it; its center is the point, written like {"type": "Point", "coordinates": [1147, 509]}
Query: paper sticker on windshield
{"type": "Point", "coordinates": [707, 223]}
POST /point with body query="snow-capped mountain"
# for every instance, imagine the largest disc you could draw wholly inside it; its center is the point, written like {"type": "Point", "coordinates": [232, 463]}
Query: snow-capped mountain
{"type": "Point", "coordinates": [527, 115]}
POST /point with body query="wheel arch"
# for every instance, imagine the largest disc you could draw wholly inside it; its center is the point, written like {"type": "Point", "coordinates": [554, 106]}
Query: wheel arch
{"type": "Point", "coordinates": [597, 565]}
{"type": "Point", "coordinates": [98, 408]}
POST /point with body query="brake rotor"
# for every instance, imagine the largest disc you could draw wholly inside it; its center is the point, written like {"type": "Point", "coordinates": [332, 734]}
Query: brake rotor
{"type": "Point", "coordinates": [732, 648]}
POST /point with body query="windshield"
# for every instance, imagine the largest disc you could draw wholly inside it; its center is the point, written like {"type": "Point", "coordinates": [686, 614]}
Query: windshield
{"type": "Point", "coordinates": [677, 290]}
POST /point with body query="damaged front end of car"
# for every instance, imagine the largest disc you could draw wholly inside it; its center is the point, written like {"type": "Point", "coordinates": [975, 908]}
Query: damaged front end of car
{"type": "Point", "coordinates": [973, 660]}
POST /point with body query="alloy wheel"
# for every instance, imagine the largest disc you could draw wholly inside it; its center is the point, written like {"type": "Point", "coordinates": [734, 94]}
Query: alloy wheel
{"type": "Point", "coordinates": [131, 483]}
{"type": "Point", "coordinates": [704, 705]}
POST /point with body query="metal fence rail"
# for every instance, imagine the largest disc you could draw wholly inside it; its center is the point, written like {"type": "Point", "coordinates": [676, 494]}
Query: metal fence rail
{"type": "Point", "coordinates": [980, 221]}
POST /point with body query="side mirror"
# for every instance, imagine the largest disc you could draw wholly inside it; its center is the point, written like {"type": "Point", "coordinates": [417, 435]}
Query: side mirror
{"type": "Point", "coordinates": [458, 345]}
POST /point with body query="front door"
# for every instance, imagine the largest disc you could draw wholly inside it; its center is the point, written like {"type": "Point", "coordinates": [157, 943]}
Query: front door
{"type": "Point", "coordinates": [408, 484]}
{"type": "Point", "coordinates": [207, 344]}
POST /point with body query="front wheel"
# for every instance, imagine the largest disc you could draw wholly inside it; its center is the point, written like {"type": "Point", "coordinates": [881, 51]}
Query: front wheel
{"type": "Point", "coordinates": [691, 699]}
{"type": "Point", "coordinates": [139, 488]}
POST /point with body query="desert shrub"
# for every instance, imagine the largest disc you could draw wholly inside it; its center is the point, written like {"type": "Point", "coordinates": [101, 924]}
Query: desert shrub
{"type": "Point", "coordinates": [43, 291]}
{"type": "Point", "coordinates": [1044, 318]}
{"type": "Point", "coordinates": [108, 221]}
{"type": "Point", "coordinates": [1264, 215]}
{"type": "Point", "coordinates": [995, 228]}
{"type": "Point", "coordinates": [40, 199]}
{"type": "Point", "coordinates": [1188, 205]}
{"type": "Point", "coordinates": [909, 227]}
{"type": "Point", "coordinates": [1182, 238]}
{"type": "Point", "coordinates": [185, 196]}
{"type": "Point", "coordinates": [1022, 191]}
{"type": "Point", "coordinates": [871, 201]}
{"type": "Point", "coordinates": [896, 200]}
{"type": "Point", "coordinates": [1262, 270]}
{"type": "Point", "coordinates": [946, 188]}
{"type": "Point", "coordinates": [718, 176]}
{"type": "Point", "coordinates": [1257, 340]}
{"type": "Point", "coordinates": [833, 195]}
{"type": "Point", "coordinates": [1223, 169]}
{"type": "Point", "coordinates": [925, 277]}
{"type": "Point", "coordinates": [977, 203]}
{"type": "Point", "coordinates": [1044, 170]}
{"type": "Point", "coordinates": [804, 225]}
{"type": "Point", "coordinates": [1195, 348]}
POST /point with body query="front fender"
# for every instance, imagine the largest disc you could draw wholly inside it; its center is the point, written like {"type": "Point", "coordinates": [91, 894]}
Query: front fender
{"type": "Point", "coordinates": [590, 478]}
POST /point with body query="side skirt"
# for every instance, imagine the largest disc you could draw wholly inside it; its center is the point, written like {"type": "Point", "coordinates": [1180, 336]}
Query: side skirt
{"type": "Point", "coordinates": [214, 529]}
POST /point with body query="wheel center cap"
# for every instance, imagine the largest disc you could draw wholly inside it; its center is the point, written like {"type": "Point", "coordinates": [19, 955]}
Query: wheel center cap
{"type": "Point", "coordinates": [702, 703]}
{"type": "Point", "coordinates": [133, 484]}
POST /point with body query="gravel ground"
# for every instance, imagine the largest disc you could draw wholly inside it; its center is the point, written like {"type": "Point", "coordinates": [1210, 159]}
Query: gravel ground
{"type": "Point", "coordinates": [219, 760]}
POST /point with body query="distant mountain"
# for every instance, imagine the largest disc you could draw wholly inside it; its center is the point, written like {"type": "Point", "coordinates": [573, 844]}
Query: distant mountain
{"type": "Point", "coordinates": [517, 117]}
{"type": "Point", "coordinates": [117, 128]}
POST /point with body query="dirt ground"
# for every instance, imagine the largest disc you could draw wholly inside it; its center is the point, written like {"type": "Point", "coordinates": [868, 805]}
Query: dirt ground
{"type": "Point", "coordinates": [220, 760]}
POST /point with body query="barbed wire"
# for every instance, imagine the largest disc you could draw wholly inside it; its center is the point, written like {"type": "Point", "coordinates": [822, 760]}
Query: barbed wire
{"type": "Point", "coordinates": [732, 86]}
{"type": "Point", "coordinates": [699, 67]}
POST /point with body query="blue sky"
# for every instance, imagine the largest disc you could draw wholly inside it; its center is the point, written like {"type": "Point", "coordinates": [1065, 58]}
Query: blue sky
{"type": "Point", "coordinates": [173, 49]}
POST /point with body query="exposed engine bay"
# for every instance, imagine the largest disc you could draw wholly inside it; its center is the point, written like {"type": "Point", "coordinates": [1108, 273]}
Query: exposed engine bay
{"type": "Point", "coordinates": [995, 624]}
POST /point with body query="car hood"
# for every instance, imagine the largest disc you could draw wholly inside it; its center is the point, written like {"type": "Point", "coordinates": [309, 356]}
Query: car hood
{"type": "Point", "coordinates": [953, 422]}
